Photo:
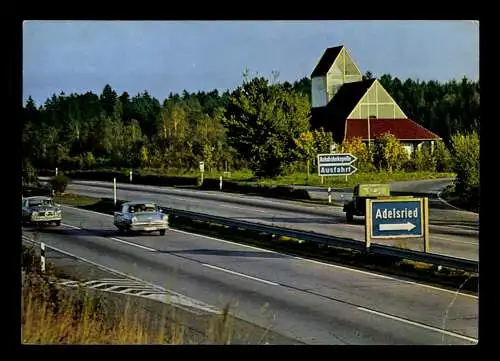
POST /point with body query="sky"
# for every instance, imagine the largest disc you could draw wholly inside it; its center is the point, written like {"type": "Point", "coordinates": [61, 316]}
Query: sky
{"type": "Point", "coordinates": [171, 56]}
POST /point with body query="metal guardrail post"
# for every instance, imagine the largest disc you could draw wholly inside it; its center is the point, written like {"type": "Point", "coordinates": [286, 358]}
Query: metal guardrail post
{"type": "Point", "coordinates": [42, 256]}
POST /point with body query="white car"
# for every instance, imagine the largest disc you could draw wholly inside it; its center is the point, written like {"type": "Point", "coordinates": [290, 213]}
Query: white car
{"type": "Point", "coordinates": [40, 210]}
{"type": "Point", "coordinates": [141, 217]}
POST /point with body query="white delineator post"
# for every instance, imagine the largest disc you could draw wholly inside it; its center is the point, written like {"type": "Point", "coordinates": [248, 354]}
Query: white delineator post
{"type": "Point", "coordinates": [56, 171]}
{"type": "Point", "coordinates": [42, 256]}
{"type": "Point", "coordinates": [329, 194]}
{"type": "Point", "coordinates": [220, 183]}
{"type": "Point", "coordinates": [114, 190]}
{"type": "Point", "coordinates": [130, 175]}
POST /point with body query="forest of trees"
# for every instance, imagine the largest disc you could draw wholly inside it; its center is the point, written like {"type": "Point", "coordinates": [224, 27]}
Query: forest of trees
{"type": "Point", "coordinates": [263, 125]}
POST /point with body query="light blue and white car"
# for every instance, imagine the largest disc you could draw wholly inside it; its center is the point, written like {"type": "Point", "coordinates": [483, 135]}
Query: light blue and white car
{"type": "Point", "coordinates": [141, 217]}
{"type": "Point", "coordinates": [41, 210]}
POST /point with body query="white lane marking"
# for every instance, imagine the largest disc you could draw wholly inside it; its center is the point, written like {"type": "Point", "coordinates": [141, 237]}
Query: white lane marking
{"type": "Point", "coordinates": [132, 244]}
{"type": "Point", "coordinates": [314, 261]}
{"type": "Point", "coordinates": [435, 329]}
{"type": "Point", "coordinates": [117, 239]}
{"type": "Point", "coordinates": [180, 299]}
{"type": "Point", "coordinates": [386, 277]}
{"type": "Point", "coordinates": [224, 241]}
{"type": "Point", "coordinates": [453, 240]}
{"type": "Point", "coordinates": [245, 209]}
{"type": "Point", "coordinates": [240, 274]}
{"type": "Point", "coordinates": [70, 226]}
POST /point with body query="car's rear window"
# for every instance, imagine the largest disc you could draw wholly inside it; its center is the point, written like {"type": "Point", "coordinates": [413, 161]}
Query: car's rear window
{"type": "Point", "coordinates": [38, 202]}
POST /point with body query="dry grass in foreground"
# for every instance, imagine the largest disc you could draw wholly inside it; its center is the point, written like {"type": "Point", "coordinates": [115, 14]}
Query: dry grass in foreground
{"type": "Point", "coordinates": [53, 315]}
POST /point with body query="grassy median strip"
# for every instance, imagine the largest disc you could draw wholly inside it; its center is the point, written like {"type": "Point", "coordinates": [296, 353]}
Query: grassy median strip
{"type": "Point", "coordinates": [442, 276]}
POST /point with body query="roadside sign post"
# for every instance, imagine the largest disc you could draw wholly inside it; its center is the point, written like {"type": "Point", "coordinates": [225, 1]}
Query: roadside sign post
{"type": "Point", "coordinates": [114, 190]}
{"type": "Point", "coordinates": [368, 221]}
{"type": "Point", "coordinates": [42, 256]}
{"type": "Point", "coordinates": [394, 218]}
{"type": "Point", "coordinates": [202, 169]}
{"type": "Point", "coordinates": [426, 225]}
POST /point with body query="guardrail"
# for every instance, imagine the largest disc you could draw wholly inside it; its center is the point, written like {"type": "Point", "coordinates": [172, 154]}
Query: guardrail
{"type": "Point", "coordinates": [430, 258]}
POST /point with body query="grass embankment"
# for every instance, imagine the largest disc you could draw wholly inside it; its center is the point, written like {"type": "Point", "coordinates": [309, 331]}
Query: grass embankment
{"type": "Point", "coordinates": [415, 270]}
{"type": "Point", "coordinates": [53, 314]}
{"type": "Point", "coordinates": [468, 202]}
{"type": "Point", "coordinates": [301, 178]}
{"type": "Point", "coordinates": [352, 180]}
{"type": "Point", "coordinates": [297, 178]}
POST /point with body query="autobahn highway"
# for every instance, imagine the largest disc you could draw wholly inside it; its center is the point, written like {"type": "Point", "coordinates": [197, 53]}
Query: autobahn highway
{"type": "Point", "coordinates": [312, 302]}
{"type": "Point", "coordinates": [452, 232]}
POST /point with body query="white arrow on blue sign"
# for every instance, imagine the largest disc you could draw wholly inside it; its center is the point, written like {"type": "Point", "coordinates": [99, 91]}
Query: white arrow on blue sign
{"type": "Point", "coordinates": [397, 226]}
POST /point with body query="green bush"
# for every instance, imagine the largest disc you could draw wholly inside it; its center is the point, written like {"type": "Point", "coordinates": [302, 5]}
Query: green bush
{"type": "Point", "coordinates": [465, 150]}
{"type": "Point", "coordinates": [422, 160]}
{"type": "Point", "coordinates": [443, 157]}
{"type": "Point", "coordinates": [389, 154]}
{"type": "Point", "coordinates": [59, 183]}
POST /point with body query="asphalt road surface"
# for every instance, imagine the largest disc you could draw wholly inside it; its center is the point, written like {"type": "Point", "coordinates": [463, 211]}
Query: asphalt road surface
{"type": "Point", "coordinates": [452, 232]}
{"type": "Point", "coordinates": [309, 301]}
{"type": "Point", "coordinates": [118, 290]}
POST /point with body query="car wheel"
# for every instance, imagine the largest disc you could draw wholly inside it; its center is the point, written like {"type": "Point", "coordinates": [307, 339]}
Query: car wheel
{"type": "Point", "coordinates": [162, 232]}
{"type": "Point", "coordinates": [350, 217]}
{"type": "Point", "coordinates": [57, 223]}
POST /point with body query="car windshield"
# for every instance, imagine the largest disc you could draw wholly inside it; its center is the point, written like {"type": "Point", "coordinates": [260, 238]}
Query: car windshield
{"type": "Point", "coordinates": [143, 208]}
{"type": "Point", "coordinates": [41, 202]}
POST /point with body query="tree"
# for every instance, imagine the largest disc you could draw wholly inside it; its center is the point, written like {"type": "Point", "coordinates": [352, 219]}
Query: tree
{"type": "Point", "coordinates": [389, 154]}
{"type": "Point", "coordinates": [305, 145]}
{"type": "Point", "coordinates": [322, 140]}
{"type": "Point", "coordinates": [262, 121]}
{"type": "Point", "coordinates": [359, 149]}
{"type": "Point", "coordinates": [443, 157]}
{"type": "Point", "coordinates": [108, 100]}
{"type": "Point", "coordinates": [465, 150]}
{"type": "Point", "coordinates": [368, 75]}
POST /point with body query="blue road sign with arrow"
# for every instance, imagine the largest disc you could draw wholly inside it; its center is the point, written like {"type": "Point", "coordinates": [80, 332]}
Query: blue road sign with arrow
{"type": "Point", "coordinates": [396, 218]}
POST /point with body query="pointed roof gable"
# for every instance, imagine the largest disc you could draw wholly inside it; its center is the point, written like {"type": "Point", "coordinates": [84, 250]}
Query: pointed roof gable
{"type": "Point", "coordinates": [348, 96]}
{"type": "Point", "coordinates": [326, 61]}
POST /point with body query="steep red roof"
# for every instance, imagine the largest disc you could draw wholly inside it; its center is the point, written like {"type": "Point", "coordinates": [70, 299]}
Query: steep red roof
{"type": "Point", "coordinates": [402, 129]}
